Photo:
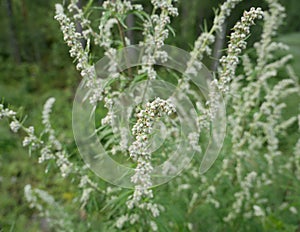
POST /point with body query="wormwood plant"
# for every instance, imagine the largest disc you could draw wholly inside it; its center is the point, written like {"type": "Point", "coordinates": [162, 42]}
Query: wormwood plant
{"type": "Point", "coordinates": [253, 186]}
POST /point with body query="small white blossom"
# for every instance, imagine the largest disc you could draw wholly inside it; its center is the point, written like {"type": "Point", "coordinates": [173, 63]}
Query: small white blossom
{"type": "Point", "coordinates": [85, 196]}
{"type": "Point", "coordinates": [46, 113]}
{"type": "Point", "coordinates": [236, 45]}
{"type": "Point", "coordinates": [258, 212]}
{"type": "Point", "coordinates": [15, 126]}
{"type": "Point", "coordinates": [194, 141]}
{"type": "Point", "coordinates": [153, 226]}
{"type": "Point", "coordinates": [293, 210]}
{"type": "Point", "coordinates": [46, 154]}
{"type": "Point", "coordinates": [121, 221]}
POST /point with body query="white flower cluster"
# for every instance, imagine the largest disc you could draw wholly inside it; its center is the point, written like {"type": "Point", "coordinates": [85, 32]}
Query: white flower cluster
{"type": "Point", "coordinates": [88, 187]}
{"type": "Point", "coordinates": [46, 154]}
{"type": "Point", "coordinates": [165, 4]}
{"type": "Point", "coordinates": [138, 151]}
{"type": "Point", "coordinates": [228, 63]}
{"type": "Point", "coordinates": [48, 208]}
{"type": "Point", "coordinates": [53, 149]}
{"type": "Point", "coordinates": [121, 7]}
{"type": "Point", "coordinates": [203, 42]}
{"type": "Point", "coordinates": [103, 38]}
{"type": "Point", "coordinates": [236, 44]}
{"type": "Point", "coordinates": [144, 125]}
{"type": "Point", "coordinates": [194, 65]}
{"type": "Point", "coordinates": [73, 40]}
{"type": "Point", "coordinates": [32, 198]}
{"type": "Point", "coordinates": [256, 128]}
{"type": "Point", "coordinates": [6, 113]}
{"type": "Point", "coordinates": [258, 211]}
{"type": "Point", "coordinates": [156, 32]}
{"type": "Point", "coordinates": [255, 122]}
{"type": "Point", "coordinates": [225, 11]}
{"type": "Point", "coordinates": [194, 141]}
{"type": "Point", "coordinates": [15, 126]}
{"type": "Point", "coordinates": [78, 15]}
{"type": "Point", "coordinates": [46, 114]}
{"type": "Point", "coordinates": [105, 32]}
{"type": "Point", "coordinates": [108, 103]}
{"type": "Point", "coordinates": [106, 24]}
{"type": "Point", "coordinates": [243, 196]}
{"type": "Point", "coordinates": [200, 48]}
{"type": "Point", "coordinates": [255, 136]}
{"type": "Point", "coordinates": [264, 48]}
{"type": "Point", "coordinates": [31, 139]}
{"type": "Point", "coordinates": [132, 219]}
{"type": "Point", "coordinates": [272, 108]}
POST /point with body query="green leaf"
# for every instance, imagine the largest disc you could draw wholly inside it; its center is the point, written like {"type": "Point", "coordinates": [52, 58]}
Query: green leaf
{"type": "Point", "coordinates": [87, 6]}
{"type": "Point", "coordinates": [171, 30]}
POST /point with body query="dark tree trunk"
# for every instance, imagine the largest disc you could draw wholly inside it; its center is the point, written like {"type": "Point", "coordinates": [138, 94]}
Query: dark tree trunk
{"type": "Point", "coordinates": [129, 33]}
{"type": "Point", "coordinates": [79, 26]}
{"type": "Point", "coordinates": [13, 36]}
{"type": "Point", "coordinates": [130, 24]}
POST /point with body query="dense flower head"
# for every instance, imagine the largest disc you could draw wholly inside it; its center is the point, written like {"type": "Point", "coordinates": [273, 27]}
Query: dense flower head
{"type": "Point", "coordinates": [139, 153]}
{"type": "Point", "coordinates": [15, 126]}
{"type": "Point", "coordinates": [155, 33]}
{"type": "Point", "coordinates": [236, 44]}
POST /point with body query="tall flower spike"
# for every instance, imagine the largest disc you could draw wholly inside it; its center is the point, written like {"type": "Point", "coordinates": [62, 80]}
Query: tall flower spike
{"type": "Point", "coordinates": [272, 20]}
{"type": "Point", "coordinates": [201, 45]}
{"type": "Point", "coordinates": [72, 38]}
{"type": "Point", "coordinates": [138, 151]}
{"type": "Point", "coordinates": [156, 32]}
{"type": "Point", "coordinates": [236, 44]}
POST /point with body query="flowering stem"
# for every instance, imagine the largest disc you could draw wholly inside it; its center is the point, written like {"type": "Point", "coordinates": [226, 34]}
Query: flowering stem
{"type": "Point", "coordinates": [122, 36]}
